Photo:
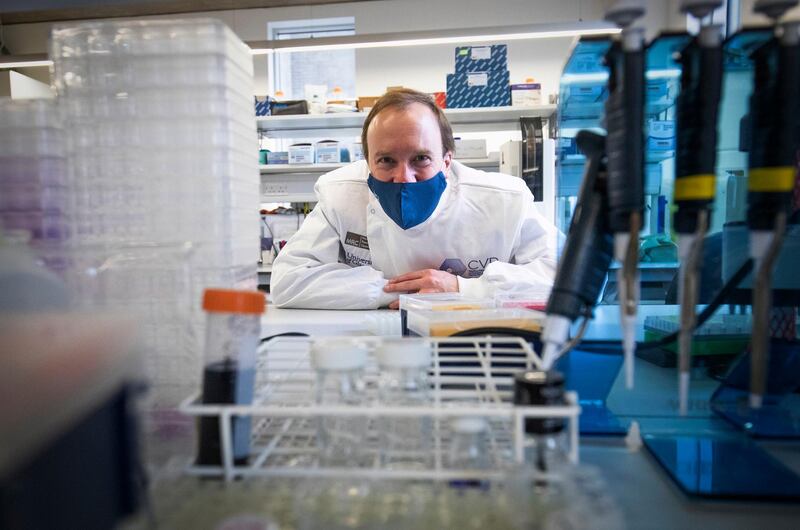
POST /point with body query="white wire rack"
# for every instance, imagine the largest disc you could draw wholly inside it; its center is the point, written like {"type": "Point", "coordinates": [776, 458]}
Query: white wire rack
{"type": "Point", "coordinates": [470, 377]}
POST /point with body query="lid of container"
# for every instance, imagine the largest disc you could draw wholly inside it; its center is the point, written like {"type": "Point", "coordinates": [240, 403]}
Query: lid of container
{"type": "Point", "coordinates": [338, 354]}
{"type": "Point", "coordinates": [469, 425]}
{"type": "Point", "coordinates": [442, 302]}
{"type": "Point", "coordinates": [233, 301]}
{"type": "Point", "coordinates": [404, 353]}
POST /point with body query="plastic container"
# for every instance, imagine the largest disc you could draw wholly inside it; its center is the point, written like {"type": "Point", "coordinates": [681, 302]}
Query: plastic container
{"type": "Point", "coordinates": [339, 364]}
{"type": "Point", "coordinates": [469, 446]}
{"type": "Point", "coordinates": [438, 302]}
{"type": "Point", "coordinates": [405, 441]}
{"type": "Point", "coordinates": [232, 333]}
{"type": "Point", "coordinates": [446, 323]}
{"type": "Point", "coordinates": [535, 299]}
{"type": "Point", "coordinates": [546, 445]}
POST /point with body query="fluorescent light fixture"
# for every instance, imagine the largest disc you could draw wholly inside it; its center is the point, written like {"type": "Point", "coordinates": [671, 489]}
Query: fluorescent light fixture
{"type": "Point", "coordinates": [24, 61]}
{"type": "Point", "coordinates": [446, 36]}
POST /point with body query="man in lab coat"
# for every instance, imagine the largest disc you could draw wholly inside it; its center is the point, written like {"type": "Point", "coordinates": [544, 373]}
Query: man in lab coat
{"type": "Point", "coordinates": [410, 219]}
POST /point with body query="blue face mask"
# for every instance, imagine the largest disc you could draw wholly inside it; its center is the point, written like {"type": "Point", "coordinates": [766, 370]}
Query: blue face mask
{"type": "Point", "coordinates": [409, 203]}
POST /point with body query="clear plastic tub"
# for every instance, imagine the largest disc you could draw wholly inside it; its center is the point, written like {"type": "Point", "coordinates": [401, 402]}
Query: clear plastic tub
{"type": "Point", "coordinates": [438, 302]}
{"type": "Point", "coordinates": [446, 323]}
{"type": "Point", "coordinates": [534, 298]}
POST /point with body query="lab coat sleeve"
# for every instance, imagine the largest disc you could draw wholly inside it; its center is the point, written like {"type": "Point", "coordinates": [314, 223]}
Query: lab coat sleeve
{"type": "Point", "coordinates": [307, 272]}
{"type": "Point", "coordinates": [531, 267]}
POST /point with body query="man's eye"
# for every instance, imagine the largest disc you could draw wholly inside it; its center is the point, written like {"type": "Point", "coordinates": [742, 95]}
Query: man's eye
{"type": "Point", "coordinates": [422, 159]}
{"type": "Point", "coordinates": [385, 160]}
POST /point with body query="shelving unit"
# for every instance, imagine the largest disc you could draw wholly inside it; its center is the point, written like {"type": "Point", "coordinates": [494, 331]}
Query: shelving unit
{"type": "Point", "coordinates": [295, 183]}
{"type": "Point", "coordinates": [349, 124]}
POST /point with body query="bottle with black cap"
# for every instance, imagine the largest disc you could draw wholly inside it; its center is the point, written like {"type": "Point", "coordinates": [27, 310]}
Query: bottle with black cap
{"type": "Point", "coordinates": [546, 443]}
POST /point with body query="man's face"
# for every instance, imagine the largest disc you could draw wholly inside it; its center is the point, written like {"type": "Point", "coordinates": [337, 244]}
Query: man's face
{"type": "Point", "coordinates": [405, 145]}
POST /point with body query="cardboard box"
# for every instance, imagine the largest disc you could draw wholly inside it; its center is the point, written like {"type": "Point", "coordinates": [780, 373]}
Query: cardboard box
{"type": "Point", "coordinates": [526, 95]}
{"type": "Point", "coordinates": [301, 154]}
{"type": "Point", "coordinates": [278, 157]}
{"type": "Point", "coordinates": [470, 148]}
{"type": "Point", "coordinates": [327, 152]}
{"type": "Point", "coordinates": [357, 152]}
{"type": "Point", "coordinates": [481, 58]}
{"type": "Point", "coordinates": [585, 93]}
{"type": "Point", "coordinates": [367, 102]}
{"type": "Point", "coordinates": [478, 89]}
{"type": "Point", "coordinates": [661, 135]}
{"type": "Point", "coordinates": [440, 98]}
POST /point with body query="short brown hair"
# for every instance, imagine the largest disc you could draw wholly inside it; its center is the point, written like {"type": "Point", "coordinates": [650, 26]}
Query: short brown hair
{"type": "Point", "coordinates": [401, 98]}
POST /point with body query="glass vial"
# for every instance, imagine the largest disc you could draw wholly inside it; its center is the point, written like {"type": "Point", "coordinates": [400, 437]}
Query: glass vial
{"type": "Point", "coordinates": [233, 328]}
{"type": "Point", "coordinates": [339, 364]}
{"type": "Point", "coordinates": [406, 442]}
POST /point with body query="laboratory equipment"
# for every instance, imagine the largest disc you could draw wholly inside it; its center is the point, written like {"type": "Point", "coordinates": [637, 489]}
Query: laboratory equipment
{"type": "Point", "coordinates": [403, 382]}
{"type": "Point", "coordinates": [546, 443]}
{"type": "Point", "coordinates": [533, 298]}
{"type": "Point", "coordinates": [33, 172]}
{"type": "Point", "coordinates": [445, 323]}
{"type": "Point", "coordinates": [339, 365]}
{"type": "Point", "coordinates": [295, 423]}
{"type": "Point", "coordinates": [586, 255]}
{"type": "Point", "coordinates": [712, 468]}
{"type": "Point", "coordinates": [232, 335]}
{"type": "Point", "coordinates": [164, 199]}
{"type": "Point", "coordinates": [469, 446]}
{"type": "Point", "coordinates": [695, 163]}
{"type": "Point", "coordinates": [774, 105]}
{"type": "Point", "coordinates": [624, 116]}
{"type": "Point", "coordinates": [438, 302]}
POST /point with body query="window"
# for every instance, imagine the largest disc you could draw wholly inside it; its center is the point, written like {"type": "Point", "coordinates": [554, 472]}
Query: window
{"type": "Point", "coordinates": [291, 71]}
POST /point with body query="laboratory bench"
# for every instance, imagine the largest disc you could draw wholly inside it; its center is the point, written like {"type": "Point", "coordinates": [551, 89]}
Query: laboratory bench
{"type": "Point", "coordinates": [648, 498]}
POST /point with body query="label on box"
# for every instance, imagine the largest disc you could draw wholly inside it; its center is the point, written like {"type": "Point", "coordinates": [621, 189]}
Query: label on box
{"type": "Point", "coordinates": [481, 52]}
{"type": "Point", "coordinates": [477, 79]}
{"type": "Point", "coordinates": [301, 154]}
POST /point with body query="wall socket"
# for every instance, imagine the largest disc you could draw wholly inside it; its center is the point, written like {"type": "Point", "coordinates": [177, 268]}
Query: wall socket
{"type": "Point", "coordinates": [274, 188]}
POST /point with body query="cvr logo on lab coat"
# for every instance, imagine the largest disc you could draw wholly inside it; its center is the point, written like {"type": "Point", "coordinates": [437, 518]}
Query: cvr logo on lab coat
{"type": "Point", "coordinates": [473, 269]}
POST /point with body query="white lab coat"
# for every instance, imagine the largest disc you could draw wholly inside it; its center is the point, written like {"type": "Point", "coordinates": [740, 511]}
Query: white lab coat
{"type": "Point", "coordinates": [347, 248]}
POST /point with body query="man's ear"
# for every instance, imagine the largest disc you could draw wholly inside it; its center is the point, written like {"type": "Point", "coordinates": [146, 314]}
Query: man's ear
{"type": "Point", "coordinates": [448, 161]}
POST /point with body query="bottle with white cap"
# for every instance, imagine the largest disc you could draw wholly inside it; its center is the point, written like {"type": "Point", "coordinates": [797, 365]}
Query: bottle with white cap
{"type": "Point", "coordinates": [340, 381]}
{"type": "Point", "coordinates": [468, 445]}
{"type": "Point", "coordinates": [406, 441]}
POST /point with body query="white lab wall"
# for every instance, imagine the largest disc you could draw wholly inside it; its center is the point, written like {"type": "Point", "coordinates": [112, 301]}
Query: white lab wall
{"type": "Point", "coordinates": [19, 86]}
{"type": "Point", "coordinates": [423, 67]}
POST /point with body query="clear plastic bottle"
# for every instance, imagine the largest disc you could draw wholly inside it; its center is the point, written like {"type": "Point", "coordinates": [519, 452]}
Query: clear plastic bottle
{"type": "Point", "coordinates": [340, 381]}
{"type": "Point", "coordinates": [406, 442]}
{"type": "Point", "coordinates": [232, 334]}
{"type": "Point", "coordinates": [546, 442]}
{"type": "Point", "coordinates": [469, 446]}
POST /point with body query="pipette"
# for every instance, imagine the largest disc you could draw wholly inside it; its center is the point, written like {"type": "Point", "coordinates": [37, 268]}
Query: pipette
{"type": "Point", "coordinates": [695, 161]}
{"type": "Point", "coordinates": [625, 149]}
{"type": "Point", "coordinates": [774, 105]}
{"type": "Point", "coordinates": [586, 255]}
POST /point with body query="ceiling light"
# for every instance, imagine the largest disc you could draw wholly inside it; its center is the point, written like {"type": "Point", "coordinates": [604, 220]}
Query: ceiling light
{"type": "Point", "coordinates": [451, 36]}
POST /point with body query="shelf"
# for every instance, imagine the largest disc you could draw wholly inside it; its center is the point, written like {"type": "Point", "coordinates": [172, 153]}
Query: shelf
{"type": "Point", "coordinates": [319, 169]}
{"type": "Point", "coordinates": [350, 123]}
{"type": "Point", "coordinates": [265, 269]}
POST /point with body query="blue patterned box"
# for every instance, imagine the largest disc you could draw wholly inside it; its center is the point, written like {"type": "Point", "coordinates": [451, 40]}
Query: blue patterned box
{"type": "Point", "coordinates": [481, 58]}
{"type": "Point", "coordinates": [478, 89]}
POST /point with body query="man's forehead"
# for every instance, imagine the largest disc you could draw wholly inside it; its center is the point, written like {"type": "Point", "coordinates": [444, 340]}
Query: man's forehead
{"type": "Point", "coordinates": [418, 151]}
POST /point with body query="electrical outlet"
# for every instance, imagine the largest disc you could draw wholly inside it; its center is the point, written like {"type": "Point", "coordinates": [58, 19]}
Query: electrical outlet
{"type": "Point", "coordinates": [275, 188]}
